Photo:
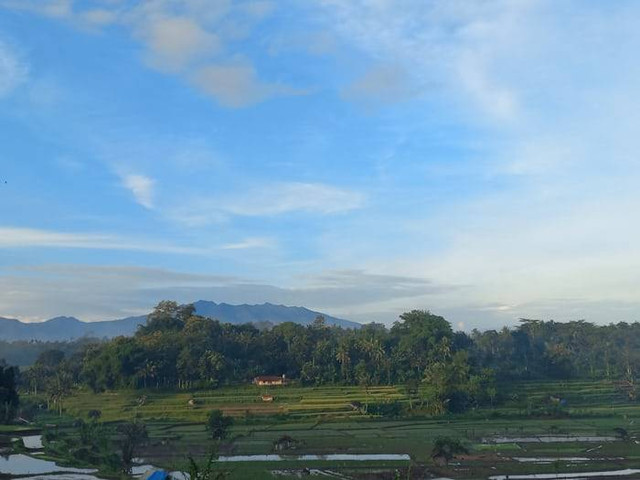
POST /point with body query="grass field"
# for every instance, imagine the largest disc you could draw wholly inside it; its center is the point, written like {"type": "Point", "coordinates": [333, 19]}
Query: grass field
{"type": "Point", "coordinates": [323, 421]}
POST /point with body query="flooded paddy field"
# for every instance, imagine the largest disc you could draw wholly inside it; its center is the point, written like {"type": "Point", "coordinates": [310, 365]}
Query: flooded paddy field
{"type": "Point", "coordinates": [507, 441]}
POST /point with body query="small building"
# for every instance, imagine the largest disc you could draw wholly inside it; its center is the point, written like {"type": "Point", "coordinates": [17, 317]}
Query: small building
{"type": "Point", "coordinates": [269, 380]}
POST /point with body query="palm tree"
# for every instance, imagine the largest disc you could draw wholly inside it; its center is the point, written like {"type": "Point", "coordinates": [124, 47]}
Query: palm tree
{"type": "Point", "coordinates": [149, 370]}
{"type": "Point", "coordinates": [343, 355]}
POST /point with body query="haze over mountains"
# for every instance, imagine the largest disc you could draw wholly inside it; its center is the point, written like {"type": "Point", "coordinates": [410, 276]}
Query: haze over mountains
{"type": "Point", "coordinates": [67, 328]}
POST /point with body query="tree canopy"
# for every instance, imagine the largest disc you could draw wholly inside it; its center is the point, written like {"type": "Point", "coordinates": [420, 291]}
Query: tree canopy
{"type": "Point", "coordinates": [178, 349]}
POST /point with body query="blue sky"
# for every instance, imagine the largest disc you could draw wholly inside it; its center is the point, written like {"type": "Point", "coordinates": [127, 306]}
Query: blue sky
{"type": "Point", "coordinates": [360, 157]}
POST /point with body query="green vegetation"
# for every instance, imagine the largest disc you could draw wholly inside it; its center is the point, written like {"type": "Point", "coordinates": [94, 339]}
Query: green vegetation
{"type": "Point", "coordinates": [180, 351]}
{"type": "Point", "coordinates": [84, 445]}
{"type": "Point", "coordinates": [446, 448]}
{"type": "Point", "coordinates": [205, 470]}
{"type": "Point", "coordinates": [182, 388]}
{"type": "Point", "coordinates": [176, 429]}
{"type": "Point", "coordinates": [8, 394]}
{"type": "Point", "coordinates": [132, 435]}
{"type": "Point", "coordinates": [218, 424]}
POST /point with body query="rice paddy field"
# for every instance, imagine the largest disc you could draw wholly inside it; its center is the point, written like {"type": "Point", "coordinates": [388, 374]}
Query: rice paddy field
{"type": "Point", "coordinates": [240, 402]}
{"type": "Point", "coordinates": [595, 429]}
{"type": "Point", "coordinates": [578, 397]}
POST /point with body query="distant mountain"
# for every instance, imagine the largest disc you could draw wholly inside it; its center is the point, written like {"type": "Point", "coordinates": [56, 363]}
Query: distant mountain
{"type": "Point", "coordinates": [267, 312]}
{"type": "Point", "coordinates": [69, 328]}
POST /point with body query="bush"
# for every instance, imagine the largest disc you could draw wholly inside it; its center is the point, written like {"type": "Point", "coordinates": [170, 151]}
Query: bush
{"type": "Point", "coordinates": [386, 409]}
{"type": "Point", "coordinates": [446, 448]}
{"type": "Point", "coordinates": [94, 414]}
{"type": "Point", "coordinates": [218, 424]}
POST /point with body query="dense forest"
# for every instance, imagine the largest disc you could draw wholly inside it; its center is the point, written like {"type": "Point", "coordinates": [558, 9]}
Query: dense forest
{"type": "Point", "coordinates": [177, 349]}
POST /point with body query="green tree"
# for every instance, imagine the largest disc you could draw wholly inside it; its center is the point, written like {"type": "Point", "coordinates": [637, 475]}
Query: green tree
{"type": "Point", "coordinates": [343, 356]}
{"type": "Point", "coordinates": [218, 424]}
{"type": "Point", "coordinates": [167, 316]}
{"type": "Point", "coordinates": [210, 366]}
{"type": "Point", "coordinates": [9, 399]}
{"type": "Point", "coordinates": [132, 436]}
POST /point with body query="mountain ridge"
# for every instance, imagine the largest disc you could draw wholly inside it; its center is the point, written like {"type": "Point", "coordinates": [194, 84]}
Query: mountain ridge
{"type": "Point", "coordinates": [62, 328]}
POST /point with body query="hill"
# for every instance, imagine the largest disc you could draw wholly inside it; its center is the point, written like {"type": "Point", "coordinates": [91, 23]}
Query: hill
{"type": "Point", "coordinates": [69, 328]}
{"type": "Point", "coordinates": [265, 313]}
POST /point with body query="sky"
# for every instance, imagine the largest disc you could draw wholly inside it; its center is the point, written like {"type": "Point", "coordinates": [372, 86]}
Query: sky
{"type": "Point", "coordinates": [359, 157]}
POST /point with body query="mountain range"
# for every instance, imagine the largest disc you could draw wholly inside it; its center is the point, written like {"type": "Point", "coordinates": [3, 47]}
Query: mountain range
{"type": "Point", "coordinates": [69, 328]}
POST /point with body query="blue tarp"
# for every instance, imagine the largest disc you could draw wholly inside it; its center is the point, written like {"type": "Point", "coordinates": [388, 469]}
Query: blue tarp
{"type": "Point", "coordinates": [158, 475]}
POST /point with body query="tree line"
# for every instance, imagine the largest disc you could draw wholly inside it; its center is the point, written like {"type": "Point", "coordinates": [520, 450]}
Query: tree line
{"type": "Point", "coordinates": [177, 349]}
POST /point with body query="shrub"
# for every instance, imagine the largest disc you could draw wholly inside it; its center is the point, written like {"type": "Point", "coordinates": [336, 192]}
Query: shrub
{"type": "Point", "coordinates": [218, 424]}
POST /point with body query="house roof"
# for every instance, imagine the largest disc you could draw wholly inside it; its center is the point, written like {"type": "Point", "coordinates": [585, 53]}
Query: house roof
{"type": "Point", "coordinates": [268, 378]}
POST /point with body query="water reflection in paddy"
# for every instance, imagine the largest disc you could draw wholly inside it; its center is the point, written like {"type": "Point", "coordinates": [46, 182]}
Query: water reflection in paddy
{"type": "Point", "coordinates": [20, 464]}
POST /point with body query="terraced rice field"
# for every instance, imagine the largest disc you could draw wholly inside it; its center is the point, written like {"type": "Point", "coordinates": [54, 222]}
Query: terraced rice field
{"type": "Point", "coordinates": [295, 402]}
{"type": "Point", "coordinates": [578, 398]}
{"type": "Point", "coordinates": [323, 421]}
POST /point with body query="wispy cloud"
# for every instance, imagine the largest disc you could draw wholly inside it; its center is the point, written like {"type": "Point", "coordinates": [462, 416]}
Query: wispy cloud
{"type": "Point", "coordinates": [291, 197]}
{"type": "Point", "coordinates": [454, 45]}
{"type": "Point", "coordinates": [142, 188]}
{"type": "Point", "coordinates": [104, 292]}
{"type": "Point", "coordinates": [11, 237]}
{"type": "Point", "coordinates": [194, 39]}
{"type": "Point", "coordinates": [249, 243]}
{"type": "Point", "coordinates": [91, 292]}
{"type": "Point", "coordinates": [237, 85]}
{"type": "Point", "coordinates": [382, 83]}
{"type": "Point", "coordinates": [28, 237]}
{"type": "Point", "coordinates": [177, 41]}
{"type": "Point", "coordinates": [13, 70]}
{"type": "Point", "coordinates": [531, 107]}
{"type": "Point", "coordinates": [50, 8]}
{"type": "Point", "coordinates": [551, 90]}
{"type": "Point", "coordinates": [270, 200]}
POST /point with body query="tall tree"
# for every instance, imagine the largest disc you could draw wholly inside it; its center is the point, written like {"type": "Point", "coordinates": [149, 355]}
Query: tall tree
{"type": "Point", "coordinates": [9, 399]}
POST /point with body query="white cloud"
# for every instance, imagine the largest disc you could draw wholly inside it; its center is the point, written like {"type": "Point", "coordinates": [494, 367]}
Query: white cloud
{"type": "Point", "coordinates": [452, 45]}
{"type": "Point", "coordinates": [105, 292]}
{"type": "Point", "coordinates": [58, 8]}
{"type": "Point", "coordinates": [291, 197]}
{"type": "Point", "coordinates": [13, 71]}
{"type": "Point", "coordinates": [249, 243]}
{"type": "Point", "coordinates": [269, 200]}
{"type": "Point", "coordinates": [385, 83]}
{"type": "Point", "coordinates": [141, 187]}
{"type": "Point", "coordinates": [195, 39]}
{"type": "Point", "coordinates": [236, 85]}
{"type": "Point", "coordinates": [50, 8]}
{"type": "Point", "coordinates": [259, 9]}
{"type": "Point", "coordinates": [554, 92]}
{"type": "Point", "coordinates": [99, 17]}
{"type": "Point", "coordinates": [176, 42]}
{"type": "Point", "coordinates": [11, 237]}
{"type": "Point", "coordinates": [91, 292]}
